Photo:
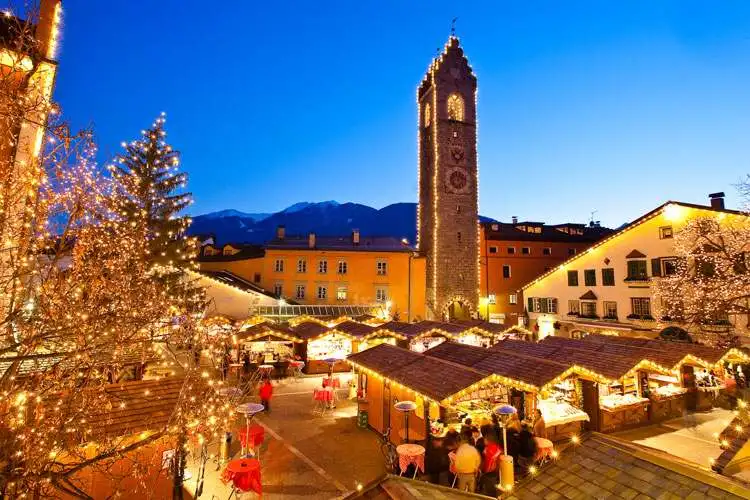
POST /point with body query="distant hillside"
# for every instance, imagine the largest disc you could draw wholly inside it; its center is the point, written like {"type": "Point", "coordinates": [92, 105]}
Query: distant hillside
{"type": "Point", "coordinates": [327, 218]}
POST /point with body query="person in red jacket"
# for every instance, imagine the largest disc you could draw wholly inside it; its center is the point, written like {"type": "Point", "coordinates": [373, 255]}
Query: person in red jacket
{"type": "Point", "coordinates": [266, 391]}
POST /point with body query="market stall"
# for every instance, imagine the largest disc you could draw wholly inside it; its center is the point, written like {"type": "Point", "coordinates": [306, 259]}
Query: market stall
{"type": "Point", "coordinates": [267, 344]}
{"type": "Point", "coordinates": [325, 349]}
{"type": "Point", "coordinates": [428, 334]}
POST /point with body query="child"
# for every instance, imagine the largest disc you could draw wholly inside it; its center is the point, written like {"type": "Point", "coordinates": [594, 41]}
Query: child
{"type": "Point", "coordinates": [266, 391]}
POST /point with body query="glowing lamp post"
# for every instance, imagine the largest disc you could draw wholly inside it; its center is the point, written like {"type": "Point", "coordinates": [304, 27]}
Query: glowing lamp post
{"type": "Point", "coordinates": [504, 412]}
{"type": "Point", "coordinates": [406, 407]}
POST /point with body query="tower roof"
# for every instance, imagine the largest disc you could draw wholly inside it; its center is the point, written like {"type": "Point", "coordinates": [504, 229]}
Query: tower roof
{"type": "Point", "coordinates": [452, 51]}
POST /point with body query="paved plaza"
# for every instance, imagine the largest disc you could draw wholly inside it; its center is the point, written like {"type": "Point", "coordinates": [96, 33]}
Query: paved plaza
{"type": "Point", "coordinates": [305, 456]}
{"type": "Point", "coordinates": [693, 441]}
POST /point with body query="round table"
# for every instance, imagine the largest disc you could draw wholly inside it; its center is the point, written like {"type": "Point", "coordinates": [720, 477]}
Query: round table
{"type": "Point", "coordinates": [252, 436]}
{"type": "Point", "coordinates": [544, 448]}
{"type": "Point", "coordinates": [410, 454]}
{"type": "Point", "coordinates": [249, 410]}
{"type": "Point", "coordinates": [231, 392]}
{"type": "Point", "coordinates": [244, 473]}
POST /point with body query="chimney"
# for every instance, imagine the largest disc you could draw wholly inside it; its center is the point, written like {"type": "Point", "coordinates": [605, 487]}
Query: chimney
{"type": "Point", "coordinates": [717, 200]}
{"type": "Point", "coordinates": [280, 232]}
{"type": "Point", "coordinates": [311, 240]}
{"type": "Point", "coordinates": [355, 237]}
{"type": "Point", "coordinates": [514, 219]}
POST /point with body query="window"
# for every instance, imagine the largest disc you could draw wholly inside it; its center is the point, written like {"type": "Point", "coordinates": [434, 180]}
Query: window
{"type": "Point", "coordinates": [546, 251]}
{"type": "Point", "coordinates": [608, 276]}
{"type": "Point", "coordinates": [637, 270]}
{"type": "Point", "coordinates": [513, 299]}
{"type": "Point", "coordinates": [301, 266]}
{"type": "Point", "coordinates": [534, 304]}
{"type": "Point", "coordinates": [381, 294]}
{"type": "Point", "coordinates": [341, 293]}
{"type": "Point", "coordinates": [323, 266]}
{"type": "Point", "coordinates": [548, 305]}
{"type": "Point", "coordinates": [589, 277]}
{"type": "Point", "coordinates": [491, 299]}
{"type": "Point", "coordinates": [506, 271]}
{"type": "Point", "coordinates": [525, 250]}
{"type": "Point", "coordinates": [574, 307]}
{"type": "Point", "coordinates": [668, 267]}
{"type": "Point", "coordinates": [300, 292]}
{"type": "Point", "coordinates": [342, 267]}
{"type": "Point", "coordinates": [511, 250]}
{"type": "Point", "coordinates": [665, 232]}
{"type": "Point", "coordinates": [588, 309]}
{"type": "Point", "coordinates": [572, 278]}
{"type": "Point", "coordinates": [458, 209]}
{"type": "Point", "coordinates": [493, 249]}
{"type": "Point", "coordinates": [278, 289]}
{"type": "Point", "coordinates": [427, 115]}
{"type": "Point", "coordinates": [455, 107]}
{"type": "Point", "coordinates": [458, 236]}
{"type": "Point", "coordinates": [610, 309]}
{"type": "Point", "coordinates": [641, 307]}
{"type": "Point", "coordinates": [278, 266]}
{"type": "Point", "coordinates": [382, 268]}
{"type": "Point", "coordinates": [322, 292]}
{"type": "Point", "coordinates": [256, 277]}
{"type": "Point", "coordinates": [571, 251]}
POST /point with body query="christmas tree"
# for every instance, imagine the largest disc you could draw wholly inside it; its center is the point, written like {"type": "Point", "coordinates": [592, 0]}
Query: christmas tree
{"type": "Point", "coordinates": [152, 193]}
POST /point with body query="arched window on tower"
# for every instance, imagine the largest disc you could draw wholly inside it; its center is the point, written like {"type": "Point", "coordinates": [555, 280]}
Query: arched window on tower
{"type": "Point", "coordinates": [427, 115]}
{"type": "Point", "coordinates": [455, 107]}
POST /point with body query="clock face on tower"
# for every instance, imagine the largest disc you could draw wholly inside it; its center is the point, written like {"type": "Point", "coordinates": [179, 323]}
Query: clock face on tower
{"type": "Point", "coordinates": [457, 180]}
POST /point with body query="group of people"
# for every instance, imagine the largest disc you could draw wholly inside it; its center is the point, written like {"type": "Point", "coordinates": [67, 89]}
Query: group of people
{"type": "Point", "coordinates": [470, 458]}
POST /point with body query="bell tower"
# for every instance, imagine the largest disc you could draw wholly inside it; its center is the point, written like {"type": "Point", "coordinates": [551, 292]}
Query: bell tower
{"type": "Point", "coordinates": [447, 217]}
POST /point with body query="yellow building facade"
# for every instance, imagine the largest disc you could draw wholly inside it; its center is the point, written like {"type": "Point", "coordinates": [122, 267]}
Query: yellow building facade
{"type": "Point", "coordinates": [351, 270]}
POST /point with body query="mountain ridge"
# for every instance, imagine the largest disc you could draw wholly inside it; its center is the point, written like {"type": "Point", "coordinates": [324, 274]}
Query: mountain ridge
{"type": "Point", "coordinates": [327, 218]}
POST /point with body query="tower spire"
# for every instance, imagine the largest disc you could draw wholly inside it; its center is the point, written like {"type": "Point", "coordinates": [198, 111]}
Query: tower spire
{"type": "Point", "coordinates": [453, 27]}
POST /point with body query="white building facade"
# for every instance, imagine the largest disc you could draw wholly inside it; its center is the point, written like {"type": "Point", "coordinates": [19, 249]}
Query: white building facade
{"type": "Point", "coordinates": [609, 288]}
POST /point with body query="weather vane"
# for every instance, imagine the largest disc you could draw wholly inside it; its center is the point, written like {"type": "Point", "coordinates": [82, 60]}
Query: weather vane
{"type": "Point", "coordinates": [453, 26]}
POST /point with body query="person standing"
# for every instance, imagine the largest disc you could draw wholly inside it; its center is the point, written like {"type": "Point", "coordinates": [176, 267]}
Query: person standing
{"type": "Point", "coordinates": [540, 426]}
{"type": "Point", "coordinates": [467, 463]}
{"type": "Point", "coordinates": [266, 391]}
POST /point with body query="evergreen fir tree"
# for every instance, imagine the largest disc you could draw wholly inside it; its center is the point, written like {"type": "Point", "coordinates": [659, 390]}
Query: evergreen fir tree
{"type": "Point", "coordinates": [148, 176]}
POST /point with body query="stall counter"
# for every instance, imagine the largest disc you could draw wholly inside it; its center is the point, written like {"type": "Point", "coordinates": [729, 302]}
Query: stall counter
{"type": "Point", "coordinates": [666, 402]}
{"type": "Point", "coordinates": [562, 419]}
{"type": "Point", "coordinates": [618, 412]}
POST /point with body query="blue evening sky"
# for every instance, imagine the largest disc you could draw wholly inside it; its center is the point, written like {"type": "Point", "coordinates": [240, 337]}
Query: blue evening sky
{"type": "Point", "coordinates": [600, 105]}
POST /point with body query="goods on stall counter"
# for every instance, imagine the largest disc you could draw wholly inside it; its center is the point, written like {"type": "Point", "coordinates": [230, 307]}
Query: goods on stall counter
{"type": "Point", "coordinates": [618, 400]}
{"type": "Point", "coordinates": [668, 390]}
{"type": "Point", "coordinates": [559, 412]}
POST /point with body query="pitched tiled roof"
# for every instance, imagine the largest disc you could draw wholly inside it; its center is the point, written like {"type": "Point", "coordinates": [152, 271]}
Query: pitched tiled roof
{"type": "Point", "coordinates": [384, 358]}
{"type": "Point", "coordinates": [503, 231]}
{"type": "Point", "coordinates": [245, 252]}
{"type": "Point", "coordinates": [435, 378]}
{"type": "Point", "coordinates": [342, 243]}
{"type": "Point", "coordinates": [354, 329]}
{"type": "Point", "coordinates": [606, 467]}
{"type": "Point", "coordinates": [526, 369]}
{"type": "Point", "coordinates": [231, 279]}
{"type": "Point", "coordinates": [310, 329]}
{"type": "Point", "coordinates": [673, 349]}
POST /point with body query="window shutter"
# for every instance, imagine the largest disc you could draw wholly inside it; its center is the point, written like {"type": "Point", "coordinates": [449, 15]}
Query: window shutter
{"type": "Point", "coordinates": [530, 304]}
{"type": "Point", "coordinates": [655, 267]}
{"type": "Point", "coordinates": [553, 306]}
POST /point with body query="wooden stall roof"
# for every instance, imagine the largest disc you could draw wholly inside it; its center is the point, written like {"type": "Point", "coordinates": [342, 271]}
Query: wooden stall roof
{"type": "Point", "coordinates": [266, 331]}
{"type": "Point", "coordinates": [384, 358]}
{"type": "Point", "coordinates": [663, 357]}
{"type": "Point", "coordinates": [354, 329]}
{"type": "Point", "coordinates": [435, 378]}
{"type": "Point", "coordinates": [309, 330]}
{"type": "Point", "coordinates": [429, 376]}
{"type": "Point", "coordinates": [494, 328]}
{"type": "Point", "coordinates": [452, 328]}
{"type": "Point", "coordinates": [611, 366]}
{"type": "Point", "coordinates": [144, 405]}
{"type": "Point", "coordinates": [517, 367]}
{"type": "Point", "coordinates": [706, 353]}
